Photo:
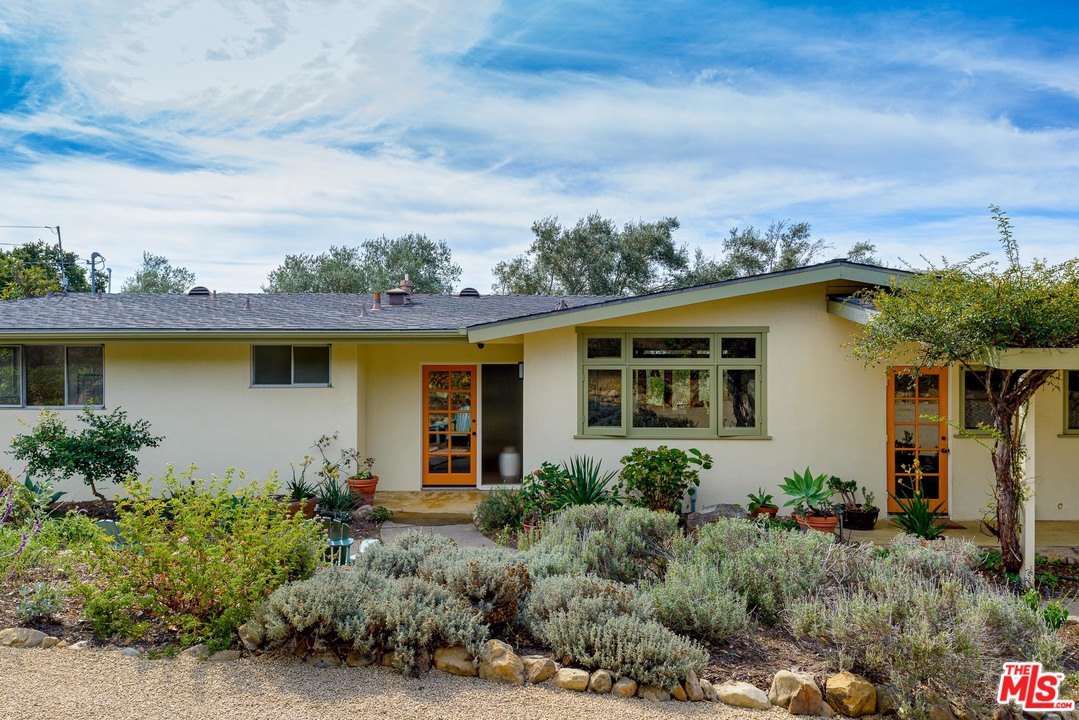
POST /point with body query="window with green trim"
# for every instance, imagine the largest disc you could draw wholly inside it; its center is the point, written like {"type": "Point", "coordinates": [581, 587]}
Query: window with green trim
{"type": "Point", "coordinates": [659, 383]}
{"type": "Point", "coordinates": [1071, 402]}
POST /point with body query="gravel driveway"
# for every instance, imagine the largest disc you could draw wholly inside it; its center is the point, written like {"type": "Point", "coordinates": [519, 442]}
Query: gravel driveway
{"type": "Point", "coordinates": [61, 684]}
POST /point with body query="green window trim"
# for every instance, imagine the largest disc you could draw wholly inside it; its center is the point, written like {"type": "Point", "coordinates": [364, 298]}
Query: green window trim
{"type": "Point", "coordinates": [709, 385]}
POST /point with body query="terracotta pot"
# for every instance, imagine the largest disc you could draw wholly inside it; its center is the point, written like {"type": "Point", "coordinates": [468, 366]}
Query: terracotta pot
{"type": "Point", "coordinates": [304, 507]}
{"type": "Point", "coordinates": [823, 524]}
{"type": "Point", "coordinates": [769, 511]}
{"type": "Point", "coordinates": [365, 487]}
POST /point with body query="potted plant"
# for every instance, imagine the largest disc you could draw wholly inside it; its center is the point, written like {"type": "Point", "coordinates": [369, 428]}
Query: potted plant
{"type": "Point", "coordinates": [856, 515]}
{"type": "Point", "coordinates": [357, 470]}
{"type": "Point", "coordinates": [761, 504]}
{"type": "Point", "coordinates": [302, 492]}
{"type": "Point", "coordinates": [659, 479]}
{"type": "Point", "coordinates": [811, 500]}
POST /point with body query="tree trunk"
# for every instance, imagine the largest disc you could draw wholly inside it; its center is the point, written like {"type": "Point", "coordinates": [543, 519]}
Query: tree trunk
{"type": "Point", "coordinates": [104, 500]}
{"type": "Point", "coordinates": [1004, 459]}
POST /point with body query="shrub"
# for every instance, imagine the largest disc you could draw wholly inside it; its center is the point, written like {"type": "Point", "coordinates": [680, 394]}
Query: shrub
{"type": "Point", "coordinates": [773, 567]}
{"type": "Point", "coordinates": [585, 484]}
{"type": "Point", "coordinates": [13, 500]}
{"type": "Point", "coordinates": [365, 611]}
{"type": "Point", "coordinates": [492, 581]}
{"type": "Point", "coordinates": [658, 479]}
{"type": "Point", "coordinates": [197, 560]}
{"type": "Point", "coordinates": [500, 508]}
{"type": "Point", "coordinates": [402, 557]}
{"type": "Point", "coordinates": [695, 599]}
{"type": "Point", "coordinates": [947, 558]}
{"type": "Point", "coordinates": [927, 637]}
{"type": "Point", "coordinates": [624, 544]}
{"type": "Point", "coordinates": [593, 596]}
{"type": "Point", "coordinates": [39, 602]}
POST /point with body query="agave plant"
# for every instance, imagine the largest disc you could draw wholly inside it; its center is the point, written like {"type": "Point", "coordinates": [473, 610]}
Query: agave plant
{"type": "Point", "coordinates": [917, 518]}
{"type": "Point", "coordinates": [335, 498]}
{"type": "Point", "coordinates": [807, 491]}
{"type": "Point", "coordinates": [586, 484]}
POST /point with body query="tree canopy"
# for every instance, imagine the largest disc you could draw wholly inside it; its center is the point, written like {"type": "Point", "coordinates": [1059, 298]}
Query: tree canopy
{"type": "Point", "coordinates": [959, 314]}
{"type": "Point", "coordinates": [33, 269]}
{"type": "Point", "coordinates": [157, 275]}
{"type": "Point", "coordinates": [375, 265]}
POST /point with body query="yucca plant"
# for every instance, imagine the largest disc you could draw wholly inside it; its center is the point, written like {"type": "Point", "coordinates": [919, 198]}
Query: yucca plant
{"type": "Point", "coordinates": [917, 518]}
{"type": "Point", "coordinates": [586, 484]}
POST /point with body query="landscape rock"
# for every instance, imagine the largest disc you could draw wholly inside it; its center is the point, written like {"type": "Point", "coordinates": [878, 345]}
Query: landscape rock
{"type": "Point", "coordinates": [600, 682]}
{"type": "Point", "coordinates": [196, 652]}
{"type": "Point", "coordinates": [539, 668]}
{"type": "Point", "coordinates": [742, 694]}
{"type": "Point", "coordinates": [80, 645]}
{"type": "Point", "coordinates": [826, 710]}
{"type": "Point", "coordinates": [852, 695]}
{"type": "Point", "coordinates": [227, 656]}
{"type": "Point", "coordinates": [499, 663]}
{"type": "Point", "coordinates": [21, 637]}
{"type": "Point", "coordinates": [356, 658]}
{"type": "Point", "coordinates": [712, 513]}
{"type": "Point", "coordinates": [320, 658]}
{"type": "Point", "coordinates": [679, 693]}
{"type": "Point", "coordinates": [940, 711]}
{"type": "Point", "coordinates": [693, 687]}
{"type": "Point", "coordinates": [62, 644]}
{"type": "Point", "coordinates": [786, 684]}
{"type": "Point", "coordinates": [571, 679]}
{"type": "Point", "coordinates": [653, 693]}
{"type": "Point", "coordinates": [807, 701]}
{"type": "Point", "coordinates": [49, 642]}
{"type": "Point", "coordinates": [887, 700]}
{"type": "Point", "coordinates": [624, 688]}
{"type": "Point", "coordinates": [710, 693]}
{"type": "Point", "coordinates": [250, 635]}
{"type": "Point", "coordinates": [130, 652]}
{"type": "Point", "coordinates": [456, 660]}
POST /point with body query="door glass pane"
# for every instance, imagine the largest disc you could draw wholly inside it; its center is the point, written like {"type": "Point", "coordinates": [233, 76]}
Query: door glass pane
{"type": "Point", "coordinates": [904, 411]}
{"type": "Point", "coordinates": [904, 437]}
{"type": "Point", "coordinates": [460, 401]}
{"type": "Point", "coordinates": [438, 379]}
{"type": "Point", "coordinates": [904, 486]}
{"type": "Point", "coordinates": [461, 464]}
{"type": "Point", "coordinates": [10, 376]}
{"type": "Point", "coordinates": [929, 461]}
{"type": "Point", "coordinates": [438, 464]}
{"type": "Point", "coordinates": [904, 460]}
{"type": "Point", "coordinates": [604, 348]}
{"type": "Point", "coordinates": [681, 347]}
{"type": "Point", "coordinates": [604, 398]}
{"type": "Point", "coordinates": [438, 400]}
{"type": "Point", "coordinates": [273, 364]}
{"type": "Point", "coordinates": [740, 398]}
{"type": "Point", "coordinates": [1073, 400]}
{"type": "Point", "coordinates": [44, 375]}
{"type": "Point", "coordinates": [85, 381]}
{"type": "Point", "coordinates": [928, 386]}
{"type": "Point", "coordinates": [311, 365]}
{"type": "Point", "coordinates": [904, 386]}
{"type": "Point", "coordinates": [436, 441]}
{"type": "Point", "coordinates": [672, 398]}
{"type": "Point", "coordinates": [931, 489]}
{"type": "Point", "coordinates": [741, 348]}
{"type": "Point", "coordinates": [461, 380]}
{"type": "Point", "coordinates": [928, 436]}
{"type": "Point", "coordinates": [926, 410]}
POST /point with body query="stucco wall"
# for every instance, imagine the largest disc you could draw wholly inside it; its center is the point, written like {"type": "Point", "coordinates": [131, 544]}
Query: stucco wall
{"type": "Point", "coordinates": [823, 409]}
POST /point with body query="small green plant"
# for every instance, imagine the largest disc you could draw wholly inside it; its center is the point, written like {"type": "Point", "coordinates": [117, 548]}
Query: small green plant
{"type": "Point", "coordinates": [659, 479]}
{"type": "Point", "coordinates": [759, 500]}
{"type": "Point", "coordinates": [38, 603]}
{"type": "Point", "coordinates": [1054, 614]}
{"type": "Point", "coordinates": [585, 484]}
{"type": "Point", "coordinates": [808, 493]}
{"type": "Point", "coordinates": [916, 518]}
{"type": "Point", "coordinates": [41, 496]}
{"type": "Point", "coordinates": [381, 514]}
{"type": "Point", "coordinates": [299, 487]}
{"type": "Point", "coordinates": [335, 498]}
{"type": "Point", "coordinates": [349, 464]}
{"type": "Point", "coordinates": [500, 509]}
{"type": "Point", "coordinates": [540, 490]}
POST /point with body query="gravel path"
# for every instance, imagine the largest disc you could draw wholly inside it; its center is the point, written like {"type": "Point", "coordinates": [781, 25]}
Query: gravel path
{"type": "Point", "coordinates": [40, 684]}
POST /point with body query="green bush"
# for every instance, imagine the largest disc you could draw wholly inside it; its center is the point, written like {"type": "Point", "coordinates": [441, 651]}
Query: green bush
{"type": "Point", "coordinates": [55, 541]}
{"type": "Point", "coordinates": [492, 581]}
{"type": "Point", "coordinates": [944, 559]}
{"type": "Point", "coordinates": [500, 508]}
{"type": "Point", "coordinates": [39, 602]}
{"type": "Point", "coordinates": [13, 500]}
{"type": "Point", "coordinates": [402, 557]}
{"type": "Point", "coordinates": [362, 610]}
{"type": "Point", "coordinates": [592, 596]}
{"type": "Point", "coordinates": [926, 636]}
{"type": "Point", "coordinates": [658, 479]}
{"type": "Point", "coordinates": [197, 560]}
{"type": "Point", "coordinates": [618, 543]}
{"type": "Point", "coordinates": [695, 599]}
{"type": "Point", "coordinates": [773, 567]}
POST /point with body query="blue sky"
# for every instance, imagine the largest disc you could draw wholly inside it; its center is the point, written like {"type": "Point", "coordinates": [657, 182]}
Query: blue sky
{"type": "Point", "coordinates": [227, 134]}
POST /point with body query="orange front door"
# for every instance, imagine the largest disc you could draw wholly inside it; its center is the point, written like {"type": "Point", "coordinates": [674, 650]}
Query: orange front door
{"type": "Point", "coordinates": [449, 418]}
{"type": "Point", "coordinates": [916, 442]}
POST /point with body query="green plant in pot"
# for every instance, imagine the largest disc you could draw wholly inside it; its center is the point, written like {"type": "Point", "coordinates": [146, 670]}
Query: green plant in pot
{"type": "Point", "coordinates": [302, 493]}
{"type": "Point", "coordinates": [856, 515]}
{"type": "Point", "coordinates": [760, 503]}
{"type": "Point", "coordinates": [356, 469]}
{"type": "Point", "coordinates": [811, 499]}
{"type": "Point", "coordinates": [659, 479]}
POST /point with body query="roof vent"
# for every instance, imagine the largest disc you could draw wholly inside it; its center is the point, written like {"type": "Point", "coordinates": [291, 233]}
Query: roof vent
{"type": "Point", "coordinates": [561, 304]}
{"type": "Point", "coordinates": [199, 291]}
{"type": "Point", "coordinates": [396, 296]}
{"type": "Point", "coordinates": [469, 292]}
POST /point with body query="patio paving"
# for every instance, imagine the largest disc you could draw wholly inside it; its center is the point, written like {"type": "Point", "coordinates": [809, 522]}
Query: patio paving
{"type": "Point", "coordinates": [431, 507]}
{"type": "Point", "coordinates": [466, 535]}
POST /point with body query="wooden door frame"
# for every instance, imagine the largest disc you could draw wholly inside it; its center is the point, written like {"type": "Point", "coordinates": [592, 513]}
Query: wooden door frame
{"type": "Point", "coordinates": [425, 370]}
{"type": "Point", "coordinates": [943, 449]}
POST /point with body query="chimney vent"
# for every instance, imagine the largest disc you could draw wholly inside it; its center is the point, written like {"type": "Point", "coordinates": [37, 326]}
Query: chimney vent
{"type": "Point", "coordinates": [377, 305]}
{"type": "Point", "coordinates": [397, 296]}
{"type": "Point", "coordinates": [407, 285]}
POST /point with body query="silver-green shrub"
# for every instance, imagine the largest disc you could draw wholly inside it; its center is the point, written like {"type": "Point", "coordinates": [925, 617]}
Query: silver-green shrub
{"type": "Point", "coordinates": [927, 636]}
{"type": "Point", "coordinates": [592, 596]}
{"type": "Point", "coordinates": [618, 543]}
{"type": "Point", "coordinates": [402, 557]}
{"type": "Point", "coordinates": [360, 609]}
{"type": "Point", "coordinates": [773, 568]}
{"type": "Point", "coordinates": [944, 559]}
{"type": "Point", "coordinates": [695, 599]}
{"type": "Point", "coordinates": [492, 581]}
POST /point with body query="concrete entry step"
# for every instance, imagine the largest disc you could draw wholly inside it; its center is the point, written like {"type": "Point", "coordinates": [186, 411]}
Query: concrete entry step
{"type": "Point", "coordinates": [430, 507]}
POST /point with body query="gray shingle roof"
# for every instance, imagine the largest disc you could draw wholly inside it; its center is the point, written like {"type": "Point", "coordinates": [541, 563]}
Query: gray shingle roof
{"type": "Point", "coordinates": [256, 312]}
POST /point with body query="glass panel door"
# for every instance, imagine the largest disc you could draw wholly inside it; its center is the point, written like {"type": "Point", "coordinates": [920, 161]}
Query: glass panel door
{"type": "Point", "coordinates": [449, 416]}
{"type": "Point", "coordinates": [917, 443]}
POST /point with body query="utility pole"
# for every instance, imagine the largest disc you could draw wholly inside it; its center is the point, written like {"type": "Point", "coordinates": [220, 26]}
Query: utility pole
{"type": "Point", "coordinates": [63, 270]}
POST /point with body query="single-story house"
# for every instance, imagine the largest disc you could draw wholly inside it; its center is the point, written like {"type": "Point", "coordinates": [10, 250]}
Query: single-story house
{"type": "Point", "coordinates": [444, 391]}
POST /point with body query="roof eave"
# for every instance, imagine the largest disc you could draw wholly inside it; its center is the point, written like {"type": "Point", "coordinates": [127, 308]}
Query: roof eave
{"type": "Point", "coordinates": [45, 335]}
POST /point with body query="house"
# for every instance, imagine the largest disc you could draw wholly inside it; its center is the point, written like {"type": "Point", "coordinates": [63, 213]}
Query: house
{"type": "Point", "coordinates": [438, 389]}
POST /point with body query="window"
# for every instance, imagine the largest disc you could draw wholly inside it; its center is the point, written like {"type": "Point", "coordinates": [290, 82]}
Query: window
{"type": "Point", "coordinates": [277, 365]}
{"type": "Point", "coordinates": [656, 383]}
{"type": "Point", "coordinates": [975, 402]}
{"type": "Point", "coordinates": [1071, 401]}
{"type": "Point", "coordinates": [51, 375]}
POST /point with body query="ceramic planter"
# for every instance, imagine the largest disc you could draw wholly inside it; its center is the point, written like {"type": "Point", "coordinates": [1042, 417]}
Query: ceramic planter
{"type": "Point", "coordinates": [858, 519]}
{"type": "Point", "coordinates": [823, 524]}
{"type": "Point", "coordinates": [769, 511]}
{"type": "Point", "coordinates": [303, 507]}
{"type": "Point", "coordinates": [365, 487]}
